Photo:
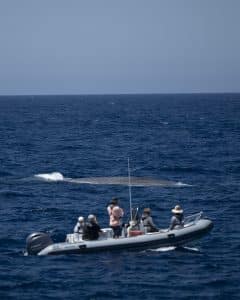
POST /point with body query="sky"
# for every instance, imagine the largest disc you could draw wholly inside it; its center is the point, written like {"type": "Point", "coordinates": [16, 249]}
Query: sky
{"type": "Point", "coordinates": [119, 47]}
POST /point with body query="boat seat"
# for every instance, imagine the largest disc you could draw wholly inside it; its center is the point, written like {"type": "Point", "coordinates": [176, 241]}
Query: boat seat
{"type": "Point", "coordinates": [135, 233]}
{"type": "Point", "coordinates": [106, 233]}
{"type": "Point", "coordinates": [73, 238]}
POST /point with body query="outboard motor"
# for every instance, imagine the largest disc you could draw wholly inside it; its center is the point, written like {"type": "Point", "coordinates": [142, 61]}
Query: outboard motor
{"type": "Point", "coordinates": [36, 242]}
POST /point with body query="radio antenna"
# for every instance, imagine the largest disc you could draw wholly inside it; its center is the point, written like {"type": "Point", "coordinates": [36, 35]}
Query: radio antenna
{"type": "Point", "coordinates": [130, 189]}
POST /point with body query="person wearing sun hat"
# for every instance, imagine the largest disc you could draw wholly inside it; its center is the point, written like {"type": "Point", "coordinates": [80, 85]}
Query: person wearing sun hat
{"type": "Point", "coordinates": [177, 218]}
{"type": "Point", "coordinates": [147, 221]}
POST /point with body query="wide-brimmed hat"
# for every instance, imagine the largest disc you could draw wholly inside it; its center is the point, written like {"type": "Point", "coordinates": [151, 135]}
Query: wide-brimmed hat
{"type": "Point", "coordinates": [147, 210]}
{"type": "Point", "coordinates": [114, 201]}
{"type": "Point", "coordinates": [177, 210]}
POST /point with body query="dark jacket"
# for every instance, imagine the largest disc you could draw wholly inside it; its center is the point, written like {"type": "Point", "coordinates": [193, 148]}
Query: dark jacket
{"type": "Point", "coordinates": [91, 231]}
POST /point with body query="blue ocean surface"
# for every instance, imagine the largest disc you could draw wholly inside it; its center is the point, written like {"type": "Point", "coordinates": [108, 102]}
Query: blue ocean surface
{"type": "Point", "coordinates": [192, 141]}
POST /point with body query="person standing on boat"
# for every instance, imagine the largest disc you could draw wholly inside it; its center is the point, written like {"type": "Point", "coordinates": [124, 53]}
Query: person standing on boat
{"type": "Point", "coordinates": [177, 218]}
{"type": "Point", "coordinates": [147, 221]}
{"type": "Point", "coordinates": [115, 214]}
{"type": "Point", "coordinates": [92, 229]}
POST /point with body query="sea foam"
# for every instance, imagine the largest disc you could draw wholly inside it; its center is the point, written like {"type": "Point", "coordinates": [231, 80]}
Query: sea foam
{"type": "Point", "coordinates": [54, 176]}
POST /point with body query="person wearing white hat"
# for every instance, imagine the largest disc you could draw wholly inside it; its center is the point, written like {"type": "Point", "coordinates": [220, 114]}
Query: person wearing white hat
{"type": "Point", "coordinates": [177, 219]}
{"type": "Point", "coordinates": [78, 229]}
{"type": "Point", "coordinates": [79, 226]}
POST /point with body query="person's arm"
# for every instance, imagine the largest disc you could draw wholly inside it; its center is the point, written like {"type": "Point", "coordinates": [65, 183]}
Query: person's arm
{"type": "Point", "coordinates": [109, 209]}
{"type": "Point", "coordinates": [99, 228]}
{"type": "Point", "coordinates": [182, 221]}
{"type": "Point", "coordinates": [122, 213]}
{"type": "Point", "coordinates": [172, 223]}
{"type": "Point", "coordinates": [76, 228]}
{"type": "Point", "coordinates": [150, 222]}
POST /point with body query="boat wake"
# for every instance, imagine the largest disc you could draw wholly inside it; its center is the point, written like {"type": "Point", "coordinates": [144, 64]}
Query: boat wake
{"type": "Point", "coordinates": [135, 181]}
{"type": "Point", "coordinates": [188, 249]}
{"type": "Point", "coordinates": [163, 249]}
{"type": "Point", "coordinates": [184, 249]}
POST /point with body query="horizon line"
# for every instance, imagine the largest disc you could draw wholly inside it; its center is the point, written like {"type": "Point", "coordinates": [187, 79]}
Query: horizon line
{"type": "Point", "coordinates": [120, 94]}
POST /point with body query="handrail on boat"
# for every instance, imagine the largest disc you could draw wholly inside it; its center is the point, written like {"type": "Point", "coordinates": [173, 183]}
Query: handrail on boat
{"type": "Point", "coordinates": [192, 219]}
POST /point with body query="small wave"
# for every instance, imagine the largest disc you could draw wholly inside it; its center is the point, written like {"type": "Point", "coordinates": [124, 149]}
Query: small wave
{"type": "Point", "coordinates": [192, 249]}
{"type": "Point", "coordinates": [54, 176]}
{"type": "Point", "coordinates": [188, 249]}
{"type": "Point", "coordinates": [12, 194]}
{"type": "Point", "coordinates": [171, 248]}
{"type": "Point", "coordinates": [163, 249]}
{"type": "Point", "coordinates": [5, 173]}
{"type": "Point", "coordinates": [181, 184]}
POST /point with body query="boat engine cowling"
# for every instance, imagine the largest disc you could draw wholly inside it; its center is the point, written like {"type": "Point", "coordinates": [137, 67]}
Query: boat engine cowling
{"type": "Point", "coordinates": [36, 242]}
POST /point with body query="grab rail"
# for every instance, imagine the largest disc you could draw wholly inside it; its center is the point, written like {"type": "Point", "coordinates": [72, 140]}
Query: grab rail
{"type": "Point", "coordinates": [193, 218]}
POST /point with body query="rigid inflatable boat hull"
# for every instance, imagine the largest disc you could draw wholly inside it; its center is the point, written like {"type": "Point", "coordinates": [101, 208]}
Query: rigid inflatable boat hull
{"type": "Point", "coordinates": [177, 237]}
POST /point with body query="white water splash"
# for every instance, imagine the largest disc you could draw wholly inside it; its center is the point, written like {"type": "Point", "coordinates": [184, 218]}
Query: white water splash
{"type": "Point", "coordinates": [171, 248]}
{"type": "Point", "coordinates": [54, 176]}
{"type": "Point", "coordinates": [181, 184]}
{"type": "Point", "coordinates": [192, 249]}
{"type": "Point", "coordinates": [164, 249]}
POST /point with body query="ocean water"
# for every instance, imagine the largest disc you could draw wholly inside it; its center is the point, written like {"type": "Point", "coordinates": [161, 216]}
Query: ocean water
{"type": "Point", "coordinates": [183, 149]}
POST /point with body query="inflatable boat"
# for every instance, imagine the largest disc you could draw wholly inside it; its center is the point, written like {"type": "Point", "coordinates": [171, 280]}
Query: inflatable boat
{"type": "Point", "coordinates": [195, 227]}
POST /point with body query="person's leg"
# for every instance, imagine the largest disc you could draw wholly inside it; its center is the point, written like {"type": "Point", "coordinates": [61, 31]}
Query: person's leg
{"type": "Point", "coordinates": [118, 231]}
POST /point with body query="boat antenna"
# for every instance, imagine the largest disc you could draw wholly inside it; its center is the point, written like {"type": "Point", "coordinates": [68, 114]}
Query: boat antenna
{"type": "Point", "coordinates": [130, 190]}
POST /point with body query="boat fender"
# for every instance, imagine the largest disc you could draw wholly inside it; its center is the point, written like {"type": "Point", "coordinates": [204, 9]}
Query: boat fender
{"type": "Point", "coordinates": [36, 242]}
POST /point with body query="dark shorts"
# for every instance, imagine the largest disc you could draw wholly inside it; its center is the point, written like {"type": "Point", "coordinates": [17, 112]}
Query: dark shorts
{"type": "Point", "coordinates": [117, 231]}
